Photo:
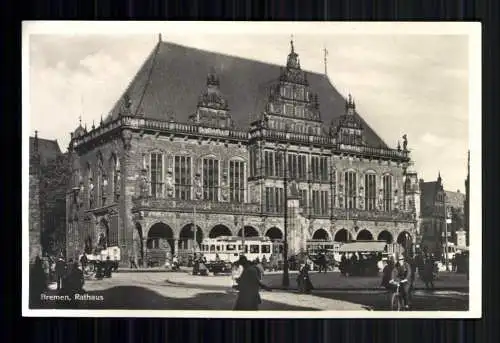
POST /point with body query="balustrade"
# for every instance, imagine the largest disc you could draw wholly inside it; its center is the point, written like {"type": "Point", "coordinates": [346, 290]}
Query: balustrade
{"type": "Point", "coordinates": [201, 206]}
{"type": "Point", "coordinates": [291, 137]}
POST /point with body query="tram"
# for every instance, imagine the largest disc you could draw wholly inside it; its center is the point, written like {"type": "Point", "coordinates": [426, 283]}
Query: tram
{"type": "Point", "coordinates": [221, 252]}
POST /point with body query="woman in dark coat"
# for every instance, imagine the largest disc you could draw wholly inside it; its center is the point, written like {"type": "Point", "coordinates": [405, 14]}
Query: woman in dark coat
{"type": "Point", "coordinates": [303, 280]}
{"type": "Point", "coordinates": [248, 287]}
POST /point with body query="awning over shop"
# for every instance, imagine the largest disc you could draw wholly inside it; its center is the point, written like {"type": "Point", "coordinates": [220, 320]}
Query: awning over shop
{"type": "Point", "coordinates": [363, 247]}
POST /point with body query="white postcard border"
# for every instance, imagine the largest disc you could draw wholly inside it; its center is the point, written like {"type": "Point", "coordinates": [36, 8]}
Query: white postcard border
{"type": "Point", "coordinates": [472, 30]}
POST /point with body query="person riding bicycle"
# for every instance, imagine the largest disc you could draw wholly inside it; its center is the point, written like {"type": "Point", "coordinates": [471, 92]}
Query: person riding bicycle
{"type": "Point", "coordinates": [402, 274]}
{"type": "Point", "coordinates": [387, 273]}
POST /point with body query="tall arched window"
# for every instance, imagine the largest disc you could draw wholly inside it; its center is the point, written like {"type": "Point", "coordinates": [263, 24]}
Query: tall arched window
{"type": "Point", "coordinates": [90, 187]}
{"type": "Point", "coordinates": [156, 174]}
{"type": "Point", "coordinates": [350, 189]}
{"type": "Point", "coordinates": [76, 177]}
{"type": "Point", "coordinates": [99, 183]}
{"type": "Point", "coordinates": [182, 173]}
{"type": "Point", "coordinates": [116, 179]}
{"type": "Point", "coordinates": [237, 181]}
{"type": "Point", "coordinates": [370, 191]}
{"type": "Point", "coordinates": [387, 186]}
{"type": "Point", "coordinates": [110, 189]}
{"type": "Point", "coordinates": [210, 179]}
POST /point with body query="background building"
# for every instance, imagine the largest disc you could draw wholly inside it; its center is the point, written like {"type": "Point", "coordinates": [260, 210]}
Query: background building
{"type": "Point", "coordinates": [467, 201]}
{"type": "Point", "coordinates": [48, 183]}
{"type": "Point", "coordinates": [437, 205]}
{"type": "Point", "coordinates": [200, 144]}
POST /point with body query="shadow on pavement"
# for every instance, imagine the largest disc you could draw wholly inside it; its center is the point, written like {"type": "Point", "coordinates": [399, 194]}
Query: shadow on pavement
{"type": "Point", "coordinates": [140, 298]}
{"type": "Point", "coordinates": [380, 301]}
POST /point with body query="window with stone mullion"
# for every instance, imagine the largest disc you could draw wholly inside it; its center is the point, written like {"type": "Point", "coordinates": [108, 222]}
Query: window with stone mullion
{"type": "Point", "coordinates": [211, 179]}
{"type": "Point", "coordinates": [182, 172]}
{"type": "Point", "coordinates": [350, 185]}
{"type": "Point", "coordinates": [156, 175]}
{"type": "Point", "coordinates": [370, 192]}
{"type": "Point", "coordinates": [387, 193]}
{"type": "Point", "coordinates": [237, 181]}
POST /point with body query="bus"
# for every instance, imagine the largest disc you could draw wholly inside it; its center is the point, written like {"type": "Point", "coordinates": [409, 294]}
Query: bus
{"type": "Point", "coordinates": [222, 252]}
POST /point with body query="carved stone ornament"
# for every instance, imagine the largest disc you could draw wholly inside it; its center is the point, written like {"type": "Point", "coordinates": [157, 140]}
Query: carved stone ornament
{"type": "Point", "coordinates": [169, 184]}
{"type": "Point", "coordinates": [142, 182]}
{"type": "Point", "coordinates": [126, 138]}
{"type": "Point", "coordinates": [198, 190]}
{"type": "Point", "coordinates": [224, 188]}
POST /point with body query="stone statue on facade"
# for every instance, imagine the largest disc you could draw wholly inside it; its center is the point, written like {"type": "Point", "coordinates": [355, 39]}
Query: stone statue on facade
{"type": "Point", "coordinates": [361, 200]}
{"type": "Point", "coordinates": [405, 143]}
{"type": "Point", "coordinates": [224, 187]}
{"type": "Point", "coordinates": [198, 189]}
{"type": "Point", "coordinates": [380, 200]}
{"type": "Point", "coordinates": [396, 200]}
{"type": "Point", "coordinates": [169, 184]}
{"type": "Point", "coordinates": [143, 185]}
{"type": "Point", "coordinates": [117, 185]}
{"type": "Point", "coordinates": [91, 194]}
{"type": "Point", "coordinates": [101, 241]}
{"type": "Point", "coordinates": [341, 195]}
{"type": "Point", "coordinates": [126, 138]}
{"type": "Point", "coordinates": [293, 190]}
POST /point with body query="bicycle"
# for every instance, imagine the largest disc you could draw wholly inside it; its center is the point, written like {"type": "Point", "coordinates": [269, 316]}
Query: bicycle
{"type": "Point", "coordinates": [397, 300]}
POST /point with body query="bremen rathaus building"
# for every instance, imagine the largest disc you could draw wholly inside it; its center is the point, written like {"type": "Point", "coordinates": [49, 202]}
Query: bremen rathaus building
{"type": "Point", "coordinates": [201, 144]}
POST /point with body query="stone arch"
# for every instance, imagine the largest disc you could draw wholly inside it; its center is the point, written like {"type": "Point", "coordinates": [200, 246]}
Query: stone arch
{"type": "Point", "coordinates": [342, 235]}
{"type": "Point", "coordinates": [187, 237]}
{"type": "Point", "coordinates": [238, 158]}
{"type": "Point", "coordinates": [160, 236]}
{"type": "Point", "coordinates": [209, 156]}
{"type": "Point", "coordinates": [250, 231]}
{"type": "Point", "coordinates": [385, 236]}
{"type": "Point", "coordinates": [350, 169]}
{"type": "Point", "coordinates": [321, 234]}
{"type": "Point", "coordinates": [364, 235]}
{"type": "Point", "coordinates": [219, 230]}
{"type": "Point", "coordinates": [274, 233]}
{"type": "Point", "coordinates": [404, 239]}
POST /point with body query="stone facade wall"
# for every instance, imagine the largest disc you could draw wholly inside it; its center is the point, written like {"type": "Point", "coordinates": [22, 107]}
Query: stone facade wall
{"type": "Point", "coordinates": [35, 246]}
{"type": "Point", "coordinates": [133, 148]}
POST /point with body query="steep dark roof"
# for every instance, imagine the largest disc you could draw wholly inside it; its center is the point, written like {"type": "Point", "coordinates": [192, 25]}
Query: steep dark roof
{"type": "Point", "coordinates": [47, 149]}
{"type": "Point", "coordinates": [173, 77]}
{"type": "Point", "coordinates": [455, 199]}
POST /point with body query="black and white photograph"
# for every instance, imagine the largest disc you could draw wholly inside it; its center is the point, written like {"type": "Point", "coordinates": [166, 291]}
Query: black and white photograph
{"type": "Point", "coordinates": [244, 169]}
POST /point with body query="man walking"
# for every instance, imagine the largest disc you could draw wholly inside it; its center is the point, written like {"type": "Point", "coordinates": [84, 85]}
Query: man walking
{"type": "Point", "coordinates": [60, 272]}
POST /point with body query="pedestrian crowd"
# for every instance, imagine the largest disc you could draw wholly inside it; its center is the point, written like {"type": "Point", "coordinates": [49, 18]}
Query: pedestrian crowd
{"type": "Point", "coordinates": [359, 264]}
{"type": "Point", "coordinates": [67, 276]}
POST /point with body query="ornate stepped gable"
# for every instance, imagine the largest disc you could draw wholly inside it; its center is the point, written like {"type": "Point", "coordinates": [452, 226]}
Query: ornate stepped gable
{"type": "Point", "coordinates": [349, 129]}
{"type": "Point", "coordinates": [213, 109]}
{"type": "Point", "coordinates": [291, 105]}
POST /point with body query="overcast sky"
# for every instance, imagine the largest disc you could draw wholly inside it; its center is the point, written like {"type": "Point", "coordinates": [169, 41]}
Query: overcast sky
{"type": "Point", "coordinates": [413, 84]}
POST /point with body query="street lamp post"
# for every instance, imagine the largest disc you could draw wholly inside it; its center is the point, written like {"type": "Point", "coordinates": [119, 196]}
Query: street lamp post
{"type": "Point", "coordinates": [446, 234]}
{"type": "Point", "coordinates": [286, 279]}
